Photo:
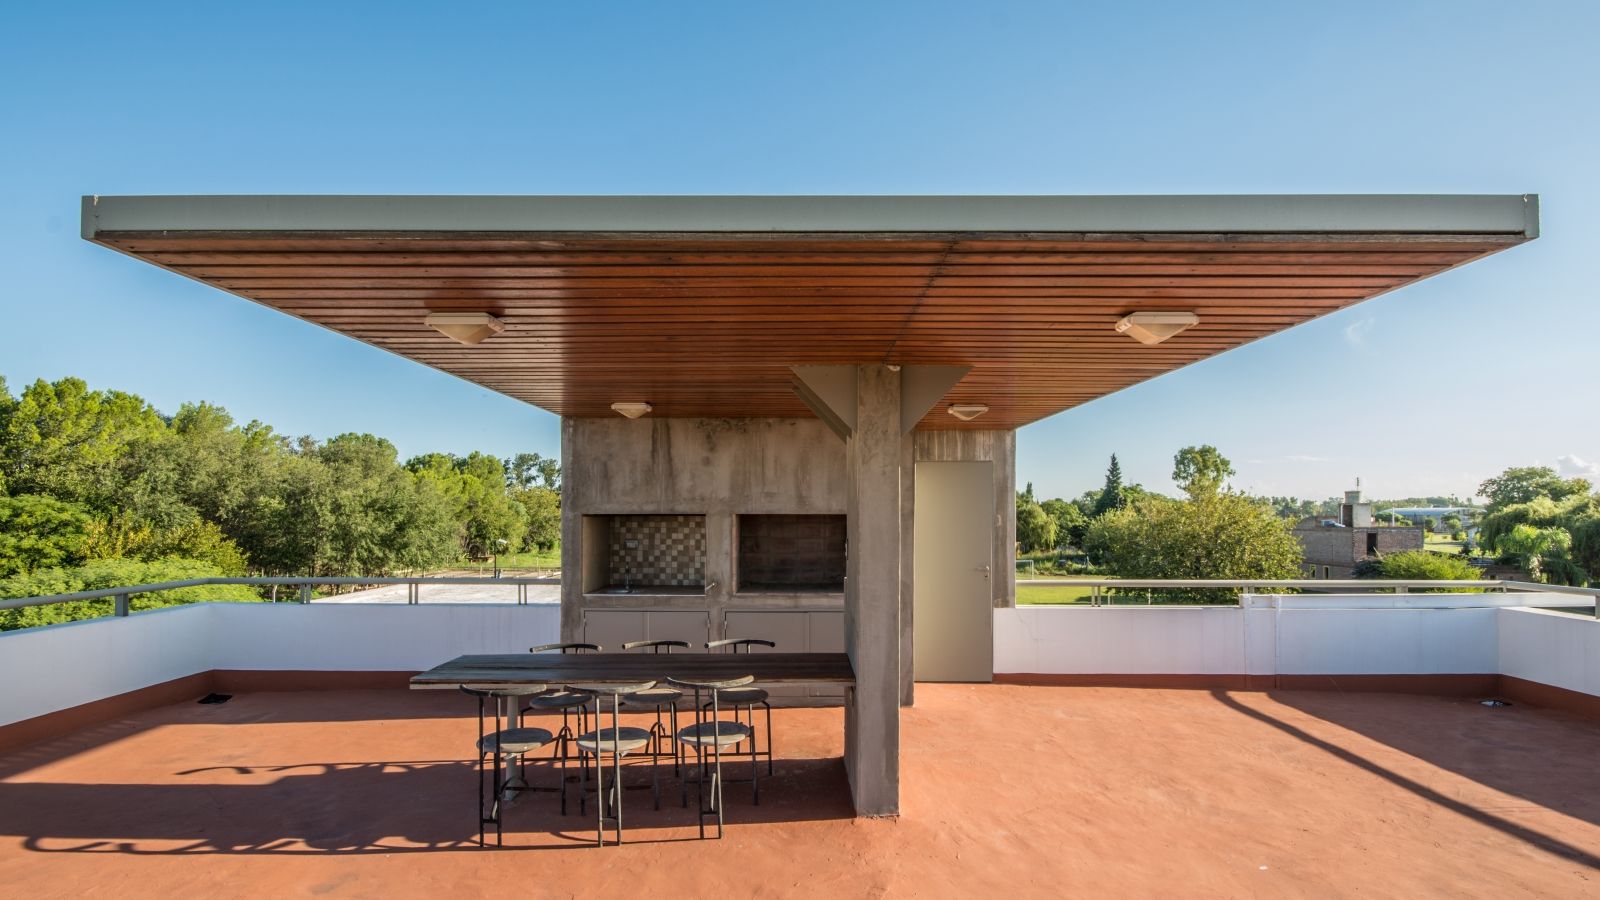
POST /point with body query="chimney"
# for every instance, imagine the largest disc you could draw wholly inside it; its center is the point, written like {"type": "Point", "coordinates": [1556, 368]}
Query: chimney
{"type": "Point", "coordinates": [1354, 513]}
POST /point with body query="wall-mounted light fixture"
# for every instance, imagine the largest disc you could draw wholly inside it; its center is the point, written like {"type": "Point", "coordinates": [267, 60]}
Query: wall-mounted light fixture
{"type": "Point", "coordinates": [1155, 327]}
{"type": "Point", "coordinates": [464, 327]}
{"type": "Point", "coordinates": [966, 412]}
{"type": "Point", "coordinates": [633, 409]}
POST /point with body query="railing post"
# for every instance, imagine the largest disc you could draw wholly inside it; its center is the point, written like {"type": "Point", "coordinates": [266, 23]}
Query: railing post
{"type": "Point", "coordinates": [120, 605]}
{"type": "Point", "coordinates": [305, 592]}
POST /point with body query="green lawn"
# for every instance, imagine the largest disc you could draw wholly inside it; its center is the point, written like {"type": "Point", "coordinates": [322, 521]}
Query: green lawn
{"type": "Point", "coordinates": [1048, 594]}
{"type": "Point", "coordinates": [551, 560]}
{"type": "Point", "coordinates": [1440, 543]}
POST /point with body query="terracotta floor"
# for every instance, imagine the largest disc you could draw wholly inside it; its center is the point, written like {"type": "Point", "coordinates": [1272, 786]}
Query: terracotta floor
{"type": "Point", "coordinates": [1008, 792]}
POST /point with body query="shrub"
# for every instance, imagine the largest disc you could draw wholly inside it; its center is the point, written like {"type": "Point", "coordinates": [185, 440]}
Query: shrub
{"type": "Point", "coordinates": [1423, 565]}
{"type": "Point", "coordinates": [1224, 535]}
{"type": "Point", "coordinates": [107, 573]}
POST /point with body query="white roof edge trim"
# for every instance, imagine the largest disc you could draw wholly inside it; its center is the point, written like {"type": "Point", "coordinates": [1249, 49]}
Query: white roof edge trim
{"type": "Point", "coordinates": [1500, 214]}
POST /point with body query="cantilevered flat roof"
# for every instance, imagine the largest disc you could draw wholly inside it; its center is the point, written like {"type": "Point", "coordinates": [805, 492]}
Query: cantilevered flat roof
{"type": "Point", "coordinates": [700, 305]}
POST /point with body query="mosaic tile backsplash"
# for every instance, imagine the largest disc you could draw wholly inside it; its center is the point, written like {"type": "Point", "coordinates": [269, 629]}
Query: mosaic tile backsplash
{"type": "Point", "coordinates": [669, 551]}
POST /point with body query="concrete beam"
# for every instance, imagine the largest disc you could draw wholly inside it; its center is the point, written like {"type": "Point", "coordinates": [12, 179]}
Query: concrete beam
{"type": "Point", "coordinates": [834, 388]}
{"type": "Point", "coordinates": [923, 386]}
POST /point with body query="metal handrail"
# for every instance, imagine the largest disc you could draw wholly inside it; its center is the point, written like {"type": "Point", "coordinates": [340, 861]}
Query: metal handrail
{"type": "Point", "coordinates": [1247, 585]}
{"type": "Point", "coordinates": [121, 594]}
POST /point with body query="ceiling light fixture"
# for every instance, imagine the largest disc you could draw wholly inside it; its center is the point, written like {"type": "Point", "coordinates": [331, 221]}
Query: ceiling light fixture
{"type": "Point", "coordinates": [464, 327]}
{"type": "Point", "coordinates": [966, 412]}
{"type": "Point", "coordinates": [633, 409]}
{"type": "Point", "coordinates": [1155, 327]}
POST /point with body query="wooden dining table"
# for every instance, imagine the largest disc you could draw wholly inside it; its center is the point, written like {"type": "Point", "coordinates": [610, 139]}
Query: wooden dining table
{"type": "Point", "coordinates": [558, 669]}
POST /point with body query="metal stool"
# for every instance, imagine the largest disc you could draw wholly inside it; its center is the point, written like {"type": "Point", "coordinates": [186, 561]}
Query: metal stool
{"type": "Point", "coordinates": [619, 741]}
{"type": "Point", "coordinates": [747, 698]}
{"type": "Point", "coordinates": [660, 697]}
{"type": "Point", "coordinates": [506, 744]}
{"type": "Point", "coordinates": [708, 735]}
{"type": "Point", "coordinates": [570, 705]}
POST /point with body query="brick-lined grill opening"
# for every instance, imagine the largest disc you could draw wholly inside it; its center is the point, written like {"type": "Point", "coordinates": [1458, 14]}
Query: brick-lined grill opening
{"type": "Point", "coordinates": [791, 552]}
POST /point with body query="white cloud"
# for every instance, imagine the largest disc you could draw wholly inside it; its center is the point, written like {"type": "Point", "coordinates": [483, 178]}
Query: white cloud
{"type": "Point", "coordinates": [1304, 458]}
{"type": "Point", "coordinates": [1355, 334]}
{"type": "Point", "coordinates": [1571, 465]}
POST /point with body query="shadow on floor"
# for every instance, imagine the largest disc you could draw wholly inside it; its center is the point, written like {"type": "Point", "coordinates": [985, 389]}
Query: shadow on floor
{"type": "Point", "coordinates": [366, 808]}
{"type": "Point", "coordinates": [1495, 755]}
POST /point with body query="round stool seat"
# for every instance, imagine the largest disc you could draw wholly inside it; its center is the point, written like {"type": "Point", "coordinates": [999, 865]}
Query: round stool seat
{"type": "Point", "coordinates": [653, 697]}
{"type": "Point", "coordinates": [515, 741]}
{"type": "Point", "coordinates": [614, 740]}
{"type": "Point", "coordinates": [741, 696]}
{"type": "Point", "coordinates": [708, 733]}
{"type": "Point", "coordinates": [557, 700]}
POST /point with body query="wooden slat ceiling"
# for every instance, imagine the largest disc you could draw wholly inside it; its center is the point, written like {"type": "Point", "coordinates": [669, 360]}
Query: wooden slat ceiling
{"type": "Point", "coordinates": [708, 325]}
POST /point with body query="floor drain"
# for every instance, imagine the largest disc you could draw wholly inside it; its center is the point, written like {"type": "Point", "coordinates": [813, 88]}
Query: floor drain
{"type": "Point", "coordinates": [1494, 702]}
{"type": "Point", "coordinates": [216, 698]}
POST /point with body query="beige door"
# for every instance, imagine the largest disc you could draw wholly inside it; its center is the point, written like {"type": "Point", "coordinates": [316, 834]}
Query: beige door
{"type": "Point", "coordinates": [952, 610]}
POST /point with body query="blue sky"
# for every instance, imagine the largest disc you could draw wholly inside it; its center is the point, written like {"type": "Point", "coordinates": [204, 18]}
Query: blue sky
{"type": "Point", "coordinates": [1426, 390]}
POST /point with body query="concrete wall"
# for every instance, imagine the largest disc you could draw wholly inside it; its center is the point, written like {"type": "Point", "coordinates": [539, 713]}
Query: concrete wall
{"type": "Point", "coordinates": [718, 468]}
{"type": "Point", "coordinates": [61, 666]}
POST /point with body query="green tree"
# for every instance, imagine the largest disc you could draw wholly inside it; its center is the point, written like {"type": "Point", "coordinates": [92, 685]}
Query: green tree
{"type": "Point", "coordinates": [1224, 535]}
{"type": "Point", "coordinates": [542, 507]}
{"type": "Point", "coordinates": [1200, 471]}
{"type": "Point", "coordinates": [1035, 529]}
{"type": "Point", "coordinates": [62, 440]}
{"type": "Point", "coordinates": [1070, 520]}
{"type": "Point", "coordinates": [1110, 497]}
{"type": "Point", "coordinates": [1527, 483]}
{"type": "Point", "coordinates": [1578, 516]}
{"type": "Point", "coordinates": [39, 533]}
{"type": "Point", "coordinates": [476, 488]}
{"type": "Point", "coordinates": [530, 470]}
{"type": "Point", "coordinates": [1542, 553]}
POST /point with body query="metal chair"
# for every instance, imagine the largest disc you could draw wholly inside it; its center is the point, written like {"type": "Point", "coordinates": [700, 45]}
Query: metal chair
{"type": "Point", "coordinates": [660, 698]}
{"type": "Point", "coordinates": [619, 741]}
{"type": "Point", "coordinates": [566, 702]}
{"type": "Point", "coordinates": [708, 735]}
{"type": "Point", "coordinates": [504, 744]}
{"type": "Point", "coordinates": [747, 698]}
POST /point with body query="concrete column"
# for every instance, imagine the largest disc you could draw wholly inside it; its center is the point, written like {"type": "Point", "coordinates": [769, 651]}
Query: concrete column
{"type": "Point", "coordinates": [572, 500]}
{"type": "Point", "coordinates": [875, 453]}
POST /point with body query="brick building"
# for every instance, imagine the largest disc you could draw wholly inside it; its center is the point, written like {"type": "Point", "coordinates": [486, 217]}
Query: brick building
{"type": "Point", "coordinates": [1333, 547]}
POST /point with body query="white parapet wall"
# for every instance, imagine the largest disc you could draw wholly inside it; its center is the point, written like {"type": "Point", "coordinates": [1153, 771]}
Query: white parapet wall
{"type": "Point", "coordinates": [1551, 648]}
{"type": "Point", "coordinates": [372, 638]}
{"type": "Point", "coordinates": [58, 667]}
{"type": "Point", "coordinates": [1417, 634]}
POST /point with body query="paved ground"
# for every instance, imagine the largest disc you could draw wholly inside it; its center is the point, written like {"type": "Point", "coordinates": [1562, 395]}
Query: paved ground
{"type": "Point", "coordinates": [1009, 792]}
{"type": "Point", "coordinates": [451, 593]}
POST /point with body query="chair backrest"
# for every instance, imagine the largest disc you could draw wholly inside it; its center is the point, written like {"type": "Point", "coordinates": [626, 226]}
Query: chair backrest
{"type": "Point", "coordinates": [711, 688]}
{"type": "Point", "coordinates": [739, 645]}
{"type": "Point", "coordinates": [500, 694]}
{"type": "Point", "coordinates": [565, 648]}
{"type": "Point", "coordinates": [655, 646]}
{"type": "Point", "coordinates": [612, 692]}
{"type": "Point", "coordinates": [502, 690]}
